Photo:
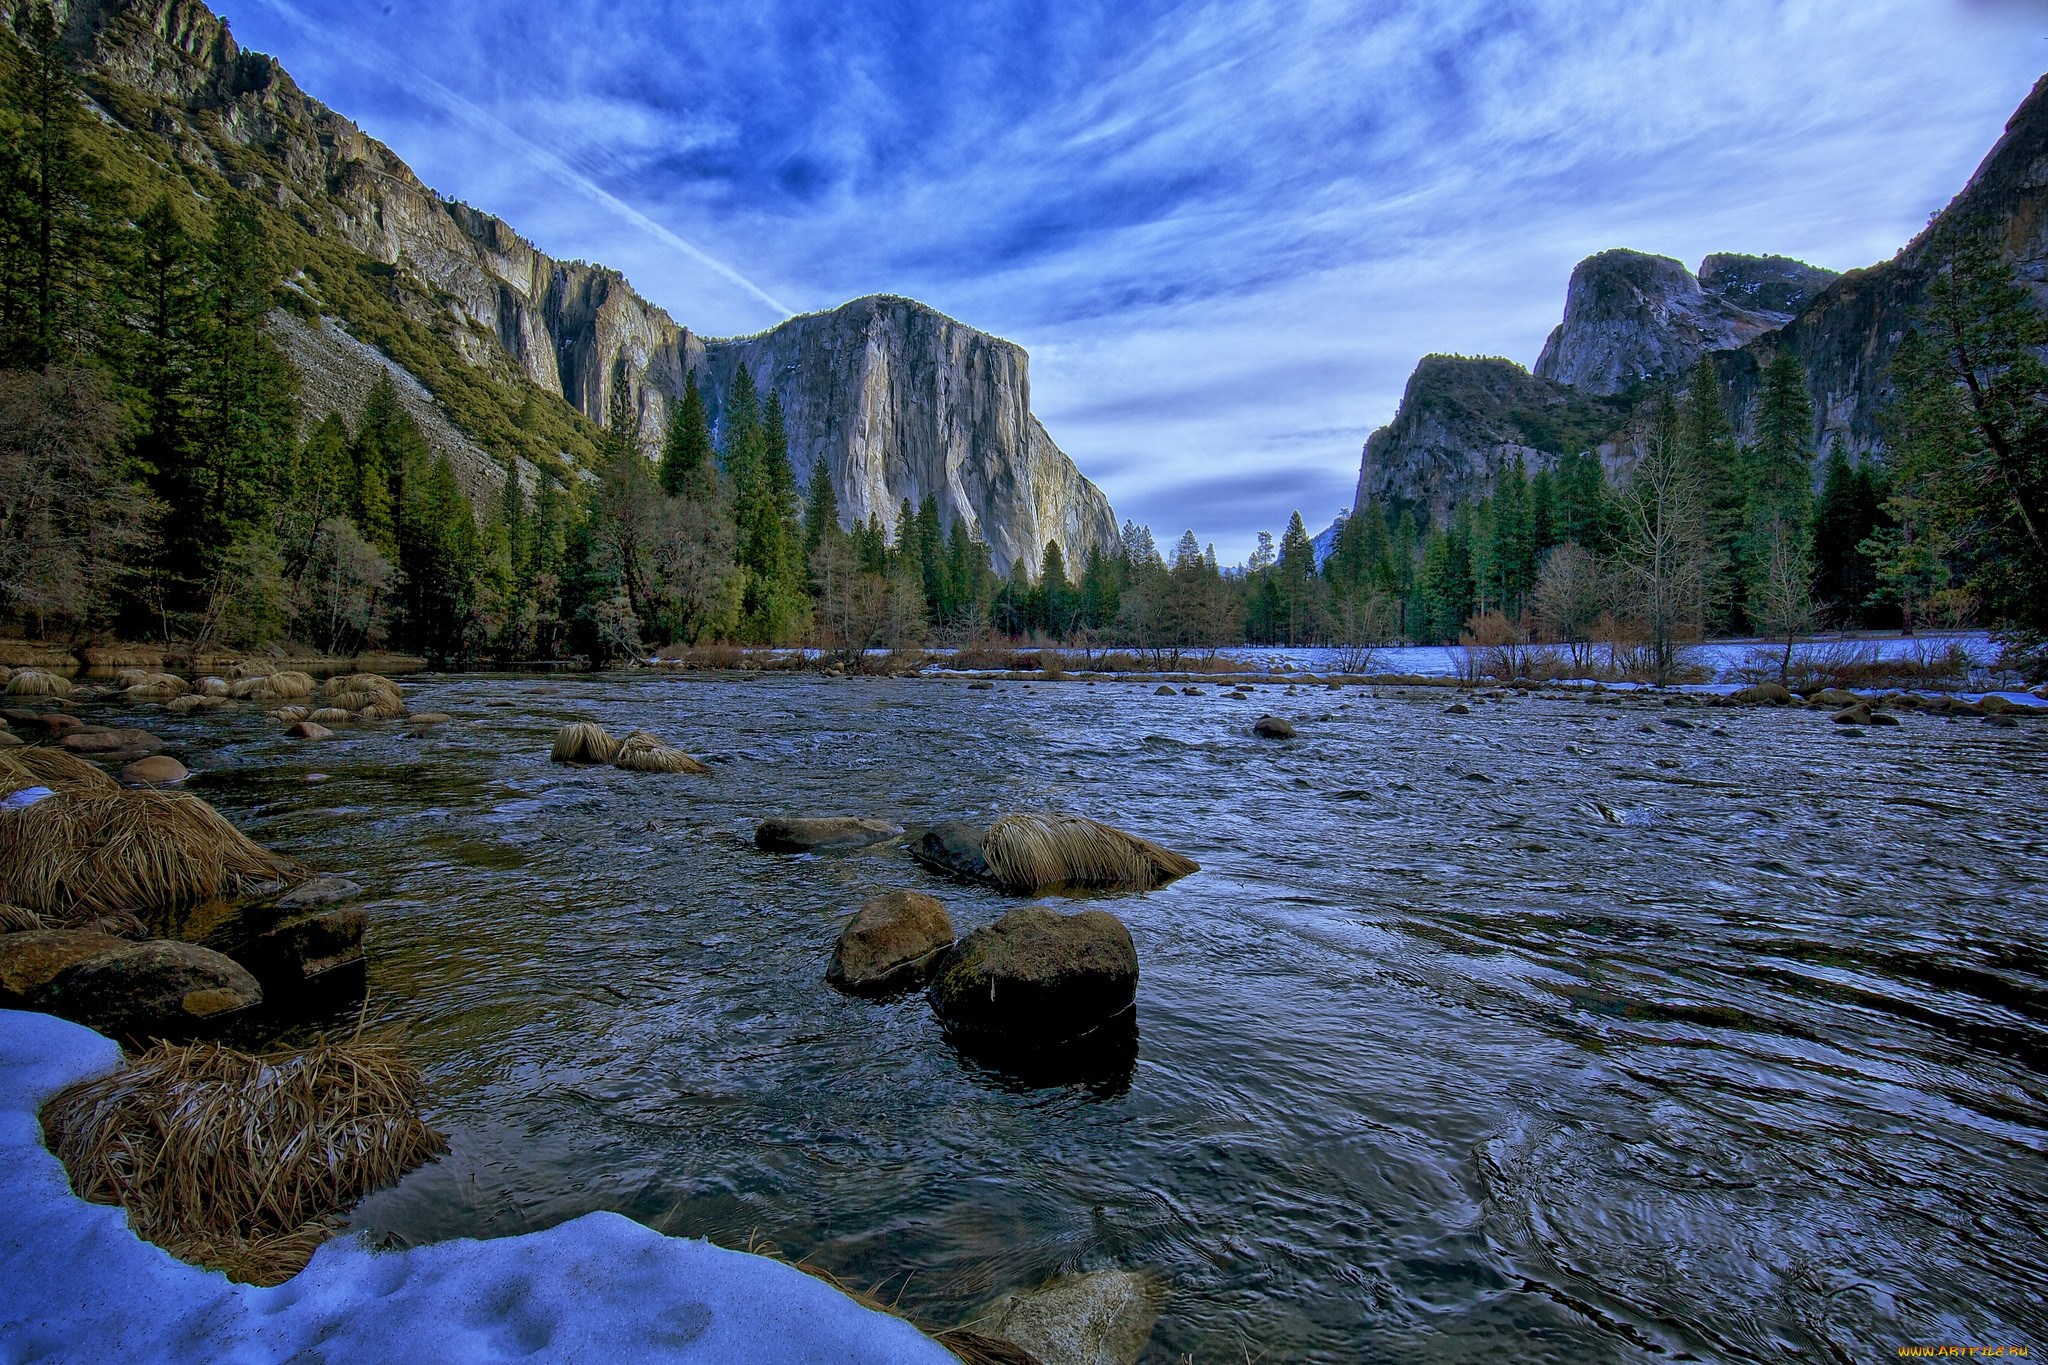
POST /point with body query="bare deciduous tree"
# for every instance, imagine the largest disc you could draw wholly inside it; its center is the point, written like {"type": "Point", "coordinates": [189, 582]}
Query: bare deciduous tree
{"type": "Point", "coordinates": [1573, 590]}
{"type": "Point", "coordinates": [1665, 559]}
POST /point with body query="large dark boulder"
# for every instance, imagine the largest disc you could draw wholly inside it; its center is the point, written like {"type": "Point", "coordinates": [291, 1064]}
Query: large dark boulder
{"type": "Point", "coordinates": [1273, 727]}
{"type": "Point", "coordinates": [159, 989]}
{"type": "Point", "coordinates": [955, 849]}
{"type": "Point", "coordinates": [1037, 978]}
{"type": "Point", "coordinates": [299, 951]}
{"type": "Point", "coordinates": [30, 959]}
{"type": "Point", "coordinates": [810, 833]}
{"type": "Point", "coordinates": [892, 944]}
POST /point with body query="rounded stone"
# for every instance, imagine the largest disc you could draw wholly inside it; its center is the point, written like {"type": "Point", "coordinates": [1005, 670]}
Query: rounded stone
{"type": "Point", "coordinates": [146, 990]}
{"type": "Point", "coordinates": [808, 833]}
{"type": "Point", "coordinates": [29, 959]}
{"type": "Point", "coordinates": [306, 729]}
{"type": "Point", "coordinates": [1038, 978]}
{"type": "Point", "coordinates": [1273, 727]}
{"type": "Point", "coordinates": [892, 943]}
{"type": "Point", "coordinates": [155, 771]}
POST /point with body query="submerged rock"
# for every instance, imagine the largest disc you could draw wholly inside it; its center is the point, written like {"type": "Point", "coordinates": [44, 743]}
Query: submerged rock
{"type": "Point", "coordinates": [1038, 978]}
{"type": "Point", "coordinates": [99, 741]}
{"type": "Point", "coordinates": [1162, 691]}
{"type": "Point", "coordinates": [1457, 708]}
{"type": "Point", "coordinates": [808, 833]}
{"type": "Point", "coordinates": [1104, 1317]}
{"type": "Point", "coordinates": [318, 891]}
{"type": "Point", "coordinates": [150, 990]}
{"type": "Point", "coordinates": [31, 958]}
{"type": "Point", "coordinates": [1273, 727]}
{"type": "Point", "coordinates": [307, 729]}
{"type": "Point", "coordinates": [981, 687]}
{"type": "Point", "coordinates": [892, 944]}
{"type": "Point", "coordinates": [1858, 714]}
{"type": "Point", "coordinates": [955, 848]}
{"type": "Point", "coordinates": [1883, 718]}
{"type": "Point", "coordinates": [299, 950]}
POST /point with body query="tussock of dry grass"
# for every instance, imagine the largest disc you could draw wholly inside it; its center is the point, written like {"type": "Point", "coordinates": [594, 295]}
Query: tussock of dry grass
{"type": "Point", "coordinates": [153, 687]}
{"type": "Point", "coordinates": [359, 691]}
{"type": "Point", "coordinates": [241, 1163]}
{"type": "Point", "coordinates": [141, 850]}
{"type": "Point", "coordinates": [642, 752]}
{"type": "Point", "coordinates": [58, 769]}
{"type": "Point", "coordinates": [1027, 854]}
{"type": "Point", "coordinates": [14, 918]}
{"type": "Point", "coordinates": [33, 682]}
{"type": "Point", "coordinates": [269, 688]}
{"type": "Point", "coordinates": [583, 742]}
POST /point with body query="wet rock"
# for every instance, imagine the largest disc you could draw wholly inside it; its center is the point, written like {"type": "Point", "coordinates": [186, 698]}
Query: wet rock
{"type": "Point", "coordinates": [306, 729]}
{"type": "Point", "coordinates": [1101, 1318]}
{"type": "Point", "coordinates": [1883, 718]}
{"type": "Point", "coordinates": [9, 740]}
{"type": "Point", "coordinates": [2002, 722]}
{"type": "Point", "coordinates": [1763, 694]}
{"type": "Point", "coordinates": [98, 741]}
{"type": "Point", "coordinates": [1273, 727]}
{"type": "Point", "coordinates": [330, 715]}
{"type": "Point", "coordinates": [954, 848]}
{"type": "Point", "coordinates": [808, 833]}
{"type": "Point", "coordinates": [319, 891]}
{"type": "Point", "coordinates": [30, 958]}
{"type": "Point", "coordinates": [211, 687]}
{"type": "Point", "coordinates": [157, 770]}
{"type": "Point", "coordinates": [981, 687]}
{"type": "Point", "coordinates": [298, 950]}
{"type": "Point", "coordinates": [892, 944]}
{"type": "Point", "coordinates": [1162, 691]}
{"type": "Point", "coordinates": [1191, 691]}
{"type": "Point", "coordinates": [421, 720]}
{"type": "Point", "coordinates": [1853, 732]}
{"type": "Point", "coordinates": [150, 990]}
{"type": "Point", "coordinates": [1038, 978]}
{"type": "Point", "coordinates": [1457, 708]}
{"type": "Point", "coordinates": [1836, 697]}
{"type": "Point", "coordinates": [1858, 714]}
{"type": "Point", "coordinates": [51, 722]}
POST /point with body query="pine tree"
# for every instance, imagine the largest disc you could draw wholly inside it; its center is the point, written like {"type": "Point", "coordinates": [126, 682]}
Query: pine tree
{"type": "Point", "coordinates": [686, 455]}
{"type": "Point", "coordinates": [438, 560]}
{"type": "Point", "coordinates": [1843, 519]}
{"type": "Point", "coordinates": [161, 311]}
{"type": "Point", "coordinates": [1718, 470]}
{"type": "Point", "coordinates": [1513, 548]}
{"type": "Point", "coordinates": [821, 508]}
{"type": "Point", "coordinates": [1055, 598]}
{"type": "Point", "coordinates": [386, 445]}
{"type": "Point", "coordinates": [54, 206]}
{"type": "Point", "coordinates": [1295, 577]}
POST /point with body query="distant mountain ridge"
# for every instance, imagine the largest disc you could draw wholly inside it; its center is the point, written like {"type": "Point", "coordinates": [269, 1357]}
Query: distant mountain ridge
{"type": "Point", "coordinates": [1633, 320]}
{"type": "Point", "coordinates": [171, 72]}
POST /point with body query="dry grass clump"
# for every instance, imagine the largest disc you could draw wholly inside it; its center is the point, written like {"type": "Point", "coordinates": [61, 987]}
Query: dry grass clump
{"type": "Point", "coordinates": [356, 691]}
{"type": "Point", "coordinates": [269, 688]}
{"type": "Point", "coordinates": [33, 682]}
{"type": "Point", "coordinates": [326, 715]}
{"type": "Point", "coordinates": [583, 742]}
{"type": "Point", "coordinates": [58, 769]}
{"type": "Point", "coordinates": [643, 753]}
{"type": "Point", "coordinates": [1027, 854]}
{"type": "Point", "coordinates": [241, 1163]}
{"type": "Point", "coordinates": [128, 850]}
{"type": "Point", "coordinates": [125, 678]}
{"type": "Point", "coordinates": [15, 918]}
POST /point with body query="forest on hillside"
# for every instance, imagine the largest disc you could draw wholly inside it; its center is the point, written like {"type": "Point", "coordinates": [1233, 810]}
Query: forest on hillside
{"type": "Point", "coordinates": [157, 482]}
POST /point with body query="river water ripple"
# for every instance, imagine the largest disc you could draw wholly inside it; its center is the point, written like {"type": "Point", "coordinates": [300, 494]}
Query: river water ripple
{"type": "Point", "coordinates": [1556, 1031]}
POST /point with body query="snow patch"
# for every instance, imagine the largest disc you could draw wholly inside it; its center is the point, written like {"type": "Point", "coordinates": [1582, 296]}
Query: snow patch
{"type": "Point", "coordinates": [77, 1285]}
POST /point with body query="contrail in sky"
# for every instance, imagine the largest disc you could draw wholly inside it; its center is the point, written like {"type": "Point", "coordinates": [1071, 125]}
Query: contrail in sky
{"type": "Point", "coordinates": [483, 121]}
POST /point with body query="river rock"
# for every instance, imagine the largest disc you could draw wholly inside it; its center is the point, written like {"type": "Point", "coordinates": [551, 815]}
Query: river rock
{"type": "Point", "coordinates": [148, 990]}
{"type": "Point", "coordinates": [301, 949]}
{"type": "Point", "coordinates": [981, 687]}
{"type": "Point", "coordinates": [808, 833]}
{"type": "Point", "coordinates": [1763, 694]}
{"type": "Point", "coordinates": [1883, 718]}
{"type": "Point", "coordinates": [2002, 722]}
{"type": "Point", "coordinates": [307, 729]}
{"type": "Point", "coordinates": [155, 771]}
{"type": "Point", "coordinates": [1037, 977]}
{"type": "Point", "coordinates": [9, 740]}
{"type": "Point", "coordinates": [54, 722]}
{"type": "Point", "coordinates": [1163, 691]}
{"type": "Point", "coordinates": [316, 891]}
{"type": "Point", "coordinates": [955, 848]}
{"type": "Point", "coordinates": [1836, 697]}
{"type": "Point", "coordinates": [1104, 1317]}
{"type": "Point", "coordinates": [1273, 727]}
{"type": "Point", "coordinates": [891, 944]}
{"type": "Point", "coordinates": [423, 719]}
{"type": "Point", "coordinates": [1858, 714]}
{"type": "Point", "coordinates": [1457, 708]}
{"type": "Point", "coordinates": [29, 959]}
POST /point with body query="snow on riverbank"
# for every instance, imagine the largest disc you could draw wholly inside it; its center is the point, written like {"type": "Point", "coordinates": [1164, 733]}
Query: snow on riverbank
{"type": "Point", "coordinates": [76, 1285]}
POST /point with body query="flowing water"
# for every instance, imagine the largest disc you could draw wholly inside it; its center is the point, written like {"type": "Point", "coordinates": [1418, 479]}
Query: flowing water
{"type": "Point", "coordinates": [1562, 1030]}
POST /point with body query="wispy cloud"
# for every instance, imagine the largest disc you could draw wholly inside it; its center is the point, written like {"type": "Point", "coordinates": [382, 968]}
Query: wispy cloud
{"type": "Point", "coordinates": [1225, 230]}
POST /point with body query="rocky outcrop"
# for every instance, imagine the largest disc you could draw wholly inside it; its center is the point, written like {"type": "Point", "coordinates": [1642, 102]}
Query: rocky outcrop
{"type": "Point", "coordinates": [1461, 419]}
{"type": "Point", "coordinates": [1632, 318]}
{"type": "Point", "coordinates": [901, 401]}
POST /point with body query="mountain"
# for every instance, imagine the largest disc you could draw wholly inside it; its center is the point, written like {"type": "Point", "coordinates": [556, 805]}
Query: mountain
{"type": "Point", "coordinates": [1630, 317]}
{"type": "Point", "coordinates": [515, 354]}
{"type": "Point", "coordinates": [1632, 320]}
{"type": "Point", "coordinates": [900, 401]}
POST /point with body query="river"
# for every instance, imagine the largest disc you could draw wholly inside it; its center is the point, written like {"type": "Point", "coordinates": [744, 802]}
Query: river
{"type": "Point", "coordinates": [1577, 1030]}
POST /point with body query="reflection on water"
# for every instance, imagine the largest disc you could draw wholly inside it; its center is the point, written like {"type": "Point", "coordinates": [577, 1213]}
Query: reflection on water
{"type": "Point", "coordinates": [1548, 1032]}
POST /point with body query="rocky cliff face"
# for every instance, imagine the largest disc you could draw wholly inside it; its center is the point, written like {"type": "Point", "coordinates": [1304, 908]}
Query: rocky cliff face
{"type": "Point", "coordinates": [902, 401]}
{"type": "Point", "coordinates": [1461, 418]}
{"type": "Point", "coordinates": [1630, 318]}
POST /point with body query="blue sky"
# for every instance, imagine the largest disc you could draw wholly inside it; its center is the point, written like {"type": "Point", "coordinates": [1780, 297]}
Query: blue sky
{"type": "Point", "coordinates": [1225, 232]}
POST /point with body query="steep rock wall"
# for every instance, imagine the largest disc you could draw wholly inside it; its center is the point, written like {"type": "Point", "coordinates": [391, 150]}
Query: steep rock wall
{"type": "Point", "coordinates": [901, 401]}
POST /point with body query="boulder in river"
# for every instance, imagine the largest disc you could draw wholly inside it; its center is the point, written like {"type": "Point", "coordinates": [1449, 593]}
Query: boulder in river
{"type": "Point", "coordinates": [1883, 718]}
{"type": "Point", "coordinates": [96, 740]}
{"type": "Point", "coordinates": [1273, 727]}
{"type": "Point", "coordinates": [1763, 694]}
{"type": "Point", "coordinates": [30, 958]}
{"type": "Point", "coordinates": [307, 729]}
{"type": "Point", "coordinates": [301, 949]}
{"type": "Point", "coordinates": [1163, 691]}
{"type": "Point", "coordinates": [1859, 714]}
{"type": "Point", "coordinates": [954, 848]}
{"type": "Point", "coordinates": [1037, 978]}
{"type": "Point", "coordinates": [1457, 708]}
{"type": "Point", "coordinates": [317, 891]}
{"type": "Point", "coordinates": [157, 770]}
{"type": "Point", "coordinates": [1103, 1317]}
{"type": "Point", "coordinates": [810, 833]}
{"type": "Point", "coordinates": [893, 943]}
{"type": "Point", "coordinates": [158, 989]}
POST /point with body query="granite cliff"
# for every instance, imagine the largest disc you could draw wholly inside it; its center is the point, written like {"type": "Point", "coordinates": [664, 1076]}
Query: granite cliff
{"type": "Point", "coordinates": [481, 320]}
{"type": "Point", "coordinates": [1633, 320]}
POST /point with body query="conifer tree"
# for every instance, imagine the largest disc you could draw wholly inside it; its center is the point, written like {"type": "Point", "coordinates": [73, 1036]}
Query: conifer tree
{"type": "Point", "coordinates": [1778, 484]}
{"type": "Point", "coordinates": [1513, 550]}
{"type": "Point", "coordinates": [161, 310]}
{"type": "Point", "coordinates": [686, 455]}
{"type": "Point", "coordinates": [821, 508]}
{"type": "Point", "coordinates": [438, 559]}
{"type": "Point", "coordinates": [387, 443]}
{"type": "Point", "coordinates": [1718, 472]}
